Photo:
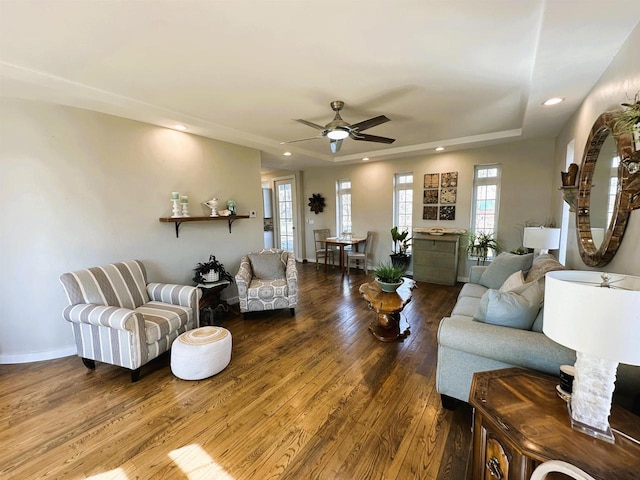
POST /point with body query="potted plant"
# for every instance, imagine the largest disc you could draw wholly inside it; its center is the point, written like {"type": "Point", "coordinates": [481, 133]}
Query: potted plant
{"type": "Point", "coordinates": [211, 271]}
{"type": "Point", "coordinates": [627, 120]}
{"type": "Point", "coordinates": [388, 276]}
{"type": "Point", "coordinates": [401, 243]}
{"type": "Point", "coordinates": [480, 243]}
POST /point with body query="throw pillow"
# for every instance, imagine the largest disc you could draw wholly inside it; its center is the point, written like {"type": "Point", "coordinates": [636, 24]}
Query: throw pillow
{"type": "Point", "coordinates": [515, 309]}
{"type": "Point", "coordinates": [267, 266]}
{"type": "Point", "coordinates": [502, 267]}
{"type": "Point", "coordinates": [541, 265]}
{"type": "Point", "coordinates": [514, 281]}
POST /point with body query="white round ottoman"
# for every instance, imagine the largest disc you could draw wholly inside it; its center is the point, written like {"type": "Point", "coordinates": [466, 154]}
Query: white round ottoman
{"type": "Point", "coordinates": [201, 353]}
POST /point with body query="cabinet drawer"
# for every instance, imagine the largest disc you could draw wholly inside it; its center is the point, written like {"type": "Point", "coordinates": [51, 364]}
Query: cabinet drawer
{"type": "Point", "coordinates": [435, 245]}
{"type": "Point", "coordinates": [433, 259]}
{"type": "Point", "coordinates": [441, 276]}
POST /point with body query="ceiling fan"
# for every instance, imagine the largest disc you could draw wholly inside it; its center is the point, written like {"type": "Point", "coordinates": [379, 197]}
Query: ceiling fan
{"type": "Point", "coordinates": [337, 130]}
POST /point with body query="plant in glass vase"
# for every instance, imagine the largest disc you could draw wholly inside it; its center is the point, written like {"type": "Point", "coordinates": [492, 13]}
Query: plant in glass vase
{"type": "Point", "coordinates": [479, 244]}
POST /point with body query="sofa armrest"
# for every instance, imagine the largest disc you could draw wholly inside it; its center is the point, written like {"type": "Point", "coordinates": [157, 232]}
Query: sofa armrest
{"type": "Point", "coordinates": [244, 276]}
{"type": "Point", "coordinates": [103, 316]}
{"type": "Point", "coordinates": [476, 273]}
{"type": "Point", "coordinates": [183, 295]}
{"type": "Point", "coordinates": [523, 348]}
{"type": "Point", "coordinates": [291, 273]}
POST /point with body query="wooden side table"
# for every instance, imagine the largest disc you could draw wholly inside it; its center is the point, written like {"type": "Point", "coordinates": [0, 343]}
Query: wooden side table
{"type": "Point", "coordinates": [520, 422]}
{"type": "Point", "coordinates": [210, 302]}
{"type": "Point", "coordinates": [388, 326]}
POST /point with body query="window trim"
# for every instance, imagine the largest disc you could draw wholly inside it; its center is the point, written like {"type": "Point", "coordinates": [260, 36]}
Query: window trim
{"type": "Point", "coordinates": [340, 228]}
{"type": "Point", "coordinates": [477, 182]}
{"type": "Point", "coordinates": [397, 188]}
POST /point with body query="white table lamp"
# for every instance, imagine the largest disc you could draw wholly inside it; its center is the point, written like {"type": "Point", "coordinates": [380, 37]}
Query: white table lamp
{"type": "Point", "coordinates": [541, 238]}
{"type": "Point", "coordinates": [597, 315]}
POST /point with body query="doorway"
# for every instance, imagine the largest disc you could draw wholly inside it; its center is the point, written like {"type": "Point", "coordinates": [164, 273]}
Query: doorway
{"type": "Point", "coordinates": [285, 213]}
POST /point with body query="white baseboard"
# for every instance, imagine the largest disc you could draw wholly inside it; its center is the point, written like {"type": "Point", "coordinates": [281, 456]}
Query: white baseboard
{"type": "Point", "coordinates": [38, 356]}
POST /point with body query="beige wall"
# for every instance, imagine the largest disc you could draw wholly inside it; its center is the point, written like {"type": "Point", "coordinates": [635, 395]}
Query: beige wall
{"type": "Point", "coordinates": [619, 83]}
{"type": "Point", "coordinates": [81, 189]}
{"type": "Point", "coordinates": [526, 192]}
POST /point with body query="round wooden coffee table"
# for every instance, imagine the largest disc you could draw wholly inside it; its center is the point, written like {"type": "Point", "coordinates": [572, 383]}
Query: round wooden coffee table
{"type": "Point", "coordinates": [388, 326]}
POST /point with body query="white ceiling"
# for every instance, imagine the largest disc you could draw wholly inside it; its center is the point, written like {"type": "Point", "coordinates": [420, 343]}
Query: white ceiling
{"type": "Point", "coordinates": [457, 73]}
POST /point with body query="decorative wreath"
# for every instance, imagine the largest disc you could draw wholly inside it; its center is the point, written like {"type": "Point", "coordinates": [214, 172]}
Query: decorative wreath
{"type": "Point", "coordinates": [316, 202]}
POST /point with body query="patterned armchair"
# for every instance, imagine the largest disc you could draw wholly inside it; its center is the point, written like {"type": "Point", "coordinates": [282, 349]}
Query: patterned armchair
{"type": "Point", "coordinates": [268, 280]}
{"type": "Point", "coordinates": [119, 318]}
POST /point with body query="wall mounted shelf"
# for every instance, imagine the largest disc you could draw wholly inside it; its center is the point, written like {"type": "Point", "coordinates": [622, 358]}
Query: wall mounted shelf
{"type": "Point", "coordinates": [179, 220]}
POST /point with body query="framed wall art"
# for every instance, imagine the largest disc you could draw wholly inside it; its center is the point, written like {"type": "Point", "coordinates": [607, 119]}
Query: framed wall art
{"type": "Point", "coordinates": [430, 196]}
{"type": "Point", "coordinates": [449, 179]}
{"type": "Point", "coordinates": [429, 213]}
{"type": "Point", "coordinates": [431, 180]}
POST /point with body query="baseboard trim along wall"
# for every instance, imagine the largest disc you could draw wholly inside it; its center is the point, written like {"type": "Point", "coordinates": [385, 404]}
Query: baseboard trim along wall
{"type": "Point", "coordinates": [38, 356]}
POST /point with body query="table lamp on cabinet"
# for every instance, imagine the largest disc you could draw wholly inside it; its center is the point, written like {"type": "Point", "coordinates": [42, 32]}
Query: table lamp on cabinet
{"type": "Point", "coordinates": [597, 315]}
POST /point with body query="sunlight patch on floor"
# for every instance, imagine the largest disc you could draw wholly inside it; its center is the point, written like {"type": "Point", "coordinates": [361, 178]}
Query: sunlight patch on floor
{"type": "Point", "coordinates": [197, 464]}
{"type": "Point", "coordinates": [115, 474]}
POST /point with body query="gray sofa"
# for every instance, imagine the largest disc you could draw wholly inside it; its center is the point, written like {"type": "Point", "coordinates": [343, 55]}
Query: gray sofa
{"type": "Point", "coordinates": [466, 346]}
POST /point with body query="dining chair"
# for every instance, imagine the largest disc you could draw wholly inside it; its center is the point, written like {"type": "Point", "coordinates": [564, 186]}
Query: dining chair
{"type": "Point", "coordinates": [354, 256]}
{"type": "Point", "coordinates": [321, 251]}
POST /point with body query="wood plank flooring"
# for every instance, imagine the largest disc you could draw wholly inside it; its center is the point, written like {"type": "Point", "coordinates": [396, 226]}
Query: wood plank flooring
{"type": "Point", "coordinates": [315, 396]}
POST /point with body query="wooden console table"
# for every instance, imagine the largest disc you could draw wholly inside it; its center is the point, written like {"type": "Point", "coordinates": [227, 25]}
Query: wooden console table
{"type": "Point", "coordinates": [520, 422]}
{"type": "Point", "coordinates": [388, 325]}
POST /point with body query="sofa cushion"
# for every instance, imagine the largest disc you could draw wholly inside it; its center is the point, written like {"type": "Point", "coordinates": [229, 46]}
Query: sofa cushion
{"type": "Point", "coordinates": [267, 266]}
{"type": "Point", "coordinates": [515, 309]}
{"type": "Point", "coordinates": [541, 265]}
{"type": "Point", "coordinates": [472, 290]}
{"type": "Point", "coordinates": [466, 306]}
{"type": "Point", "coordinates": [539, 322]}
{"type": "Point", "coordinates": [161, 319]}
{"type": "Point", "coordinates": [503, 266]}
{"type": "Point", "coordinates": [515, 280]}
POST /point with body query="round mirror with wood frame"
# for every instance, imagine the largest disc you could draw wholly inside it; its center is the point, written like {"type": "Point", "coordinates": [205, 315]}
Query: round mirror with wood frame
{"type": "Point", "coordinates": [600, 252]}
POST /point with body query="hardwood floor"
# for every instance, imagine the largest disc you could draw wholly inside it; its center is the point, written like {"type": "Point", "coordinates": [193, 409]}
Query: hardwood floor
{"type": "Point", "coordinates": [315, 396]}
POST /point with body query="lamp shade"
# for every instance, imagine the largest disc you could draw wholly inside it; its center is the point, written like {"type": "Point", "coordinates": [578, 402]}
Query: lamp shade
{"type": "Point", "coordinates": [541, 238]}
{"type": "Point", "coordinates": [583, 314]}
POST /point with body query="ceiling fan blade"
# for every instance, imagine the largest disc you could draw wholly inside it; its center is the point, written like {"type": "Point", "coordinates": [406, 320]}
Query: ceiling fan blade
{"type": "Point", "coordinates": [302, 139]}
{"type": "Point", "coordinates": [335, 145]}
{"type": "Point", "coordinates": [371, 138]}
{"type": "Point", "coordinates": [372, 122]}
{"type": "Point", "coordinates": [310, 124]}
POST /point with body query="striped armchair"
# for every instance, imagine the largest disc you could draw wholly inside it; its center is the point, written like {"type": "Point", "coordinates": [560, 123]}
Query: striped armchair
{"type": "Point", "coordinates": [268, 280]}
{"type": "Point", "coordinates": [119, 318]}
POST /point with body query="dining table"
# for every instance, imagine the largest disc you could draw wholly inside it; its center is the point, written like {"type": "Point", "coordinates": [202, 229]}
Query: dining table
{"type": "Point", "coordinates": [341, 243]}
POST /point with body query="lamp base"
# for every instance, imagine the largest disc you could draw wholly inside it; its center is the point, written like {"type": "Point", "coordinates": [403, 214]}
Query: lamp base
{"type": "Point", "coordinates": [605, 435]}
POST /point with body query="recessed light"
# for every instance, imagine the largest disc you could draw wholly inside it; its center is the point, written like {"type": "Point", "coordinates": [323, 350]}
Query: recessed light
{"type": "Point", "coordinates": [365, 159]}
{"type": "Point", "coordinates": [553, 101]}
{"type": "Point", "coordinates": [182, 128]}
{"type": "Point", "coordinates": [439, 149]}
{"type": "Point", "coordinates": [287, 154]}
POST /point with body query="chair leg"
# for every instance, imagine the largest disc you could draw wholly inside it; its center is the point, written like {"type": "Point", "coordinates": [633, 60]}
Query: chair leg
{"type": "Point", "coordinates": [293, 311]}
{"type": "Point", "coordinates": [90, 364]}
{"type": "Point", "coordinates": [135, 375]}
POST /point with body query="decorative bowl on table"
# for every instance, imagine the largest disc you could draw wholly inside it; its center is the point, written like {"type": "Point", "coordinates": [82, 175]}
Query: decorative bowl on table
{"type": "Point", "coordinates": [388, 287]}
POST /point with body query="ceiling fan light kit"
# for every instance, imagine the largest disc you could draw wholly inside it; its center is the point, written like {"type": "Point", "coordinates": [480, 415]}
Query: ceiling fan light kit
{"type": "Point", "coordinates": [337, 134]}
{"type": "Point", "coordinates": [338, 130]}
